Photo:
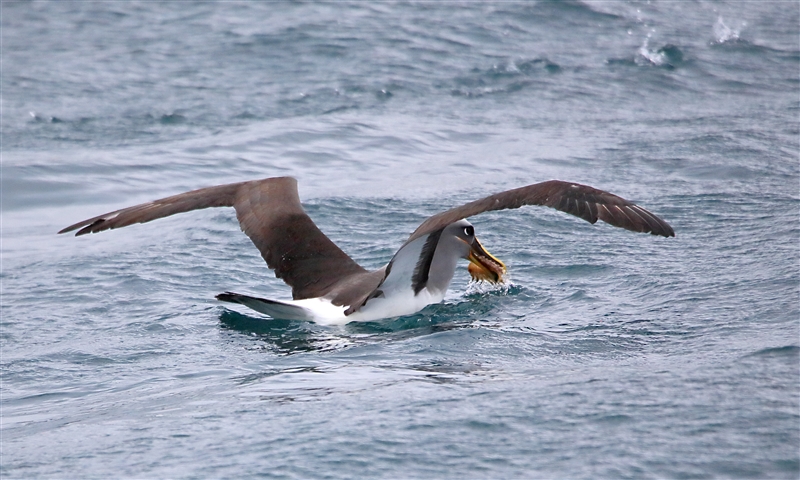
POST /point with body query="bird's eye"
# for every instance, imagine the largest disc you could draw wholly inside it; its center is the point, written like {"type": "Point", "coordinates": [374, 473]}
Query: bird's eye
{"type": "Point", "coordinates": [469, 231]}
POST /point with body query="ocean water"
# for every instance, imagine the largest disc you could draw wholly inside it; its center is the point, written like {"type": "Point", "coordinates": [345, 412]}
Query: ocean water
{"type": "Point", "coordinates": [609, 355]}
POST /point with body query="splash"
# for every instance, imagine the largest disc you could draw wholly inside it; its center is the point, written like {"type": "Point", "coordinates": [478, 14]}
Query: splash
{"type": "Point", "coordinates": [667, 56]}
{"type": "Point", "coordinates": [482, 287]}
{"type": "Point", "coordinates": [653, 57]}
{"type": "Point", "coordinates": [724, 33]}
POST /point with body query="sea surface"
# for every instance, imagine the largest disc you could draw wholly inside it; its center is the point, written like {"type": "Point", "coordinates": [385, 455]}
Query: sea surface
{"type": "Point", "coordinates": [609, 354]}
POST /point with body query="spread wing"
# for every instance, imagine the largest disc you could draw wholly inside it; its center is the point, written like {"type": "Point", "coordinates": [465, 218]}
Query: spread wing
{"type": "Point", "coordinates": [270, 213]}
{"type": "Point", "coordinates": [582, 201]}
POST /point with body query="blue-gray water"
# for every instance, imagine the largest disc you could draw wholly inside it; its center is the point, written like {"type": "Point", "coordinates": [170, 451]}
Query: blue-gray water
{"type": "Point", "coordinates": [613, 354]}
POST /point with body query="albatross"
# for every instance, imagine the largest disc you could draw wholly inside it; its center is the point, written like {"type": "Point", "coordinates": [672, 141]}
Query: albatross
{"type": "Point", "coordinates": [329, 287]}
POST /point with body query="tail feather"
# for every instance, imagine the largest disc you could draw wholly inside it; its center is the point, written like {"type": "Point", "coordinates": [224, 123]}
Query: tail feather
{"type": "Point", "coordinates": [273, 308]}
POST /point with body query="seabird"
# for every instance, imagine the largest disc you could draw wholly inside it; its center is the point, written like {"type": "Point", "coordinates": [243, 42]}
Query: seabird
{"type": "Point", "coordinates": [329, 287]}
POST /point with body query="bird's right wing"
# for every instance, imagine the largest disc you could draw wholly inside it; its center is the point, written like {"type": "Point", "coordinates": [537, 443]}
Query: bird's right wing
{"type": "Point", "coordinates": [583, 201]}
{"type": "Point", "coordinates": [270, 213]}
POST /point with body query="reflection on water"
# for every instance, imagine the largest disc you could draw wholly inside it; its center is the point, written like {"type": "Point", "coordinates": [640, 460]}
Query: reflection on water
{"type": "Point", "coordinates": [284, 336]}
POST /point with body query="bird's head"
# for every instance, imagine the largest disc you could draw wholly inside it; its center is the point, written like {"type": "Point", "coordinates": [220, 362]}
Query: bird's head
{"type": "Point", "coordinates": [482, 264]}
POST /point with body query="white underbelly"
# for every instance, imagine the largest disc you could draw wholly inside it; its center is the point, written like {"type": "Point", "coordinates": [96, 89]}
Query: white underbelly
{"type": "Point", "coordinates": [402, 302]}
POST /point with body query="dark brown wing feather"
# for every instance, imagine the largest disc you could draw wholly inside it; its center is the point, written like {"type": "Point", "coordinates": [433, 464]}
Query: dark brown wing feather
{"type": "Point", "coordinates": [270, 213]}
{"type": "Point", "coordinates": [582, 201]}
{"type": "Point", "coordinates": [220, 196]}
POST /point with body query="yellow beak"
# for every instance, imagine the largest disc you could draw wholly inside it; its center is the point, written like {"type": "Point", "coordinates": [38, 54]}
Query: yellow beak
{"type": "Point", "coordinates": [483, 265]}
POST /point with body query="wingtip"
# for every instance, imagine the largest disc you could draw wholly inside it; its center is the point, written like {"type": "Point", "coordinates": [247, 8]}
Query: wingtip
{"type": "Point", "coordinates": [69, 229]}
{"type": "Point", "coordinates": [85, 228]}
{"type": "Point", "coordinates": [74, 227]}
{"type": "Point", "coordinates": [666, 233]}
{"type": "Point", "coordinates": [668, 230]}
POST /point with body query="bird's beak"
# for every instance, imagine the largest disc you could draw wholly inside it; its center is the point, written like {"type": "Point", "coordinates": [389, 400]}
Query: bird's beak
{"type": "Point", "coordinates": [483, 265]}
